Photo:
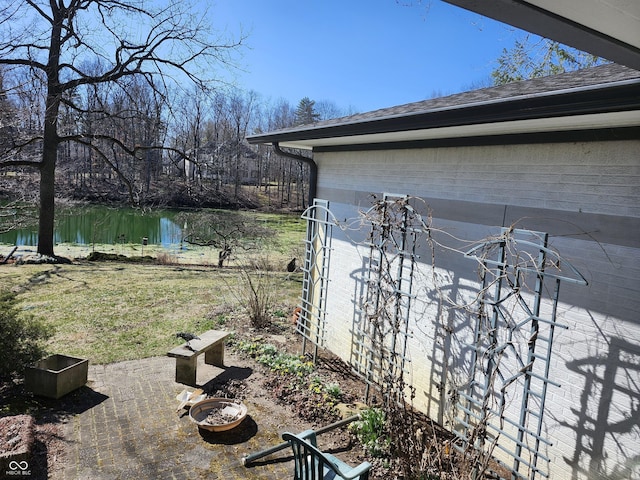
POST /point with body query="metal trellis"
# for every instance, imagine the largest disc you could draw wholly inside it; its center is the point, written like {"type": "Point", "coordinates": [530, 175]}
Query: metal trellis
{"type": "Point", "coordinates": [512, 349]}
{"type": "Point", "coordinates": [381, 333]}
{"type": "Point", "coordinates": [312, 321]}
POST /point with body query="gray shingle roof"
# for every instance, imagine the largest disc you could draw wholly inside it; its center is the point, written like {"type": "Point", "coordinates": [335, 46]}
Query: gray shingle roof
{"type": "Point", "coordinates": [602, 74]}
{"type": "Point", "coordinates": [588, 79]}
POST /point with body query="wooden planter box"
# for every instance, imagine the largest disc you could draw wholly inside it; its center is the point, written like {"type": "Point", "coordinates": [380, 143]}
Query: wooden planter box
{"type": "Point", "coordinates": [56, 375]}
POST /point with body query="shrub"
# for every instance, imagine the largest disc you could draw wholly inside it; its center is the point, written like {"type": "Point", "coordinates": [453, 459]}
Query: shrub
{"type": "Point", "coordinates": [22, 338]}
{"type": "Point", "coordinates": [286, 364]}
{"type": "Point", "coordinates": [164, 258]}
{"type": "Point", "coordinates": [370, 431]}
{"type": "Point", "coordinates": [333, 390]}
{"type": "Point", "coordinates": [259, 293]}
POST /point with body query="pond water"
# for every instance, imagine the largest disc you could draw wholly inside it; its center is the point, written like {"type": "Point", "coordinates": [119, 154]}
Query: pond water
{"type": "Point", "coordinates": [104, 225]}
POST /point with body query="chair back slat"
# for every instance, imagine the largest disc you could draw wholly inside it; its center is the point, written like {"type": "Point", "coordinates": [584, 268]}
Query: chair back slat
{"type": "Point", "coordinates": [311, 463]}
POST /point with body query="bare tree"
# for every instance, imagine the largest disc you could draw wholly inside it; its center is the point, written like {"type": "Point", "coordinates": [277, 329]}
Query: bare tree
{"type": "Point", "coordinates": [58, 46]}
{"type": "Point", "coordinates": [241, 108]}
{"type": "Point", "coordinates": [6, 115]}
{"type": "Point", "coordinates": [226, 231]}
{"type": "Point", "coordinates": [290, 178]}
{"type": "Point", "coordinates": [327, 109]}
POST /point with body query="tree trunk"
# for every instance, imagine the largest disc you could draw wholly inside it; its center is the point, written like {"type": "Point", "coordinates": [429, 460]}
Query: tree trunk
{"type": "Point", "coordinates": [47, 202]}
{"type": "Point", "coordinates": [50, 141]}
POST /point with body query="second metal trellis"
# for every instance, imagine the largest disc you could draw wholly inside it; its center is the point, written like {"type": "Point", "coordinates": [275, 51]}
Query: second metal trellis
{"type": "Point", "coordinates": [512, 349]}
{"type": "Point", "coordinates": [380, 335]}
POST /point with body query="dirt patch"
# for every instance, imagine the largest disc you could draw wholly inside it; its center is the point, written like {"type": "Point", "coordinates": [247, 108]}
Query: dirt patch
{"type": "Point", "coordinates": [16, 435]}
{"type": "Point", "coordinates": [40, 432]}
{"type": "Point", "coordinates": [309, 405]}
{"type": "Point", "coordinates": [305, 403]}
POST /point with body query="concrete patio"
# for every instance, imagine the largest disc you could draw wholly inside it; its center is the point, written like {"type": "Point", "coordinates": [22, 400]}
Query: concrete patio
{"type": "Point", "coordinates": [130, 428]}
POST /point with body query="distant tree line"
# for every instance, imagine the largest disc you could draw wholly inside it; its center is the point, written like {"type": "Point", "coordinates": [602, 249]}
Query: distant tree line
{"type": "Point", "coordinates": [204, 160]}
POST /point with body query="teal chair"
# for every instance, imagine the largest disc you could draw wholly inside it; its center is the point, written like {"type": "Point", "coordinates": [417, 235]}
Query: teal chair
{"type": "Point", "coordinates": [312, 464]}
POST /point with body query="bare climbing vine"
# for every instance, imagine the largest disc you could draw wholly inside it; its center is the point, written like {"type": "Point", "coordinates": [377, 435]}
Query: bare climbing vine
{"type": "Point", "coordinates": [484, 326]}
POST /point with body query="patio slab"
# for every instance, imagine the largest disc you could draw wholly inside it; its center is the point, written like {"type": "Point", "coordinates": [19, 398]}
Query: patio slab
{"type": "Point", "coordinates": [133, 430]}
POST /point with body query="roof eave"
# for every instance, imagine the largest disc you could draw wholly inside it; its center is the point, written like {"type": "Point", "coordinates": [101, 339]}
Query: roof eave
{"type": "Point", "coordinates": [606, 29]}
{"type": "Point", "coordinates": [508, 112]}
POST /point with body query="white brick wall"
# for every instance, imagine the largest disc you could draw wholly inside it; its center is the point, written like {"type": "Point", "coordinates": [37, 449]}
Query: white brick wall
{"type": "Point", "coordinates": [592, 421]}
{"type": "Point", "coordinates": [588, 177]}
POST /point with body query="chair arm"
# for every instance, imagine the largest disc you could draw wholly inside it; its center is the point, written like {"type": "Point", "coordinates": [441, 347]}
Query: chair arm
{"type": "Point", "coordinates": [310, 436]}
{"type": "Point", "coordinates": [357, 472]}
{"type": "Point", "coordinates": [346, 471]}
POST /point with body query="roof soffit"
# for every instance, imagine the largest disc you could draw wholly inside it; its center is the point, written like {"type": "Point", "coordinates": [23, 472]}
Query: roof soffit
{"type": "Point", "coordinates": [607, 28]}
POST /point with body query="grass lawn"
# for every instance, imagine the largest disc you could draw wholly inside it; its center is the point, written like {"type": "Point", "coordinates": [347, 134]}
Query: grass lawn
{"type": "Point", "coordinates": [109, 312]}
{"type": "Point", "coordinates": [113, 311]}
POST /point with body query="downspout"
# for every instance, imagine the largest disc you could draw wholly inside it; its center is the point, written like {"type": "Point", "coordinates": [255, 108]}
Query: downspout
{"type": "Point", "coordinates": [313, 169]}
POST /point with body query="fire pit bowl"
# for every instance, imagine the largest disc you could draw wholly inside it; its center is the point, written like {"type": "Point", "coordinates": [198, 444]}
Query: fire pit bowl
{"type": "Point", "coordinates": [217, 414]}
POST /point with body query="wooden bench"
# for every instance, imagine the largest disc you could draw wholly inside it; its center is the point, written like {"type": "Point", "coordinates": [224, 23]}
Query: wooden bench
{"type": "Point", "coordinates": [211, 343]}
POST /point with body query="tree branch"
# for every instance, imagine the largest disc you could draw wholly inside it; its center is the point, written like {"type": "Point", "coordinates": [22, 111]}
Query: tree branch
{"type": "Point", "coordinates": [108, 161]}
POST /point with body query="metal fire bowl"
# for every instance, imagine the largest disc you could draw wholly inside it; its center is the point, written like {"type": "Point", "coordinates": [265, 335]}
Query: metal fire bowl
{"type": "Point", "coordinates": [199, 412]}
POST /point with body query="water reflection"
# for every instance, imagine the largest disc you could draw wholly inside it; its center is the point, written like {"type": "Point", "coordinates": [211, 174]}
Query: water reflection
{"type": "Point", "coordinates": [102, 225]}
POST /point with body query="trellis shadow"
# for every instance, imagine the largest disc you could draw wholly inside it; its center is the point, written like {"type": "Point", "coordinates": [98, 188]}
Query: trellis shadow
{"type": "Point", "coordinates": [611, 383]}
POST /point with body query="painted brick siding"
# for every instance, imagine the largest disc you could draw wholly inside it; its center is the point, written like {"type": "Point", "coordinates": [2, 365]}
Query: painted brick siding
{"type": "Point", "coordinates": [589, 177]}
{"type": "Point", "coordinates": [593, 419]}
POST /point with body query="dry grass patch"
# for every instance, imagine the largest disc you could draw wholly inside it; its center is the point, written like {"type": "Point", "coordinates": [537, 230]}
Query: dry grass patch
{"type": "Point", "coordinates": [110, 312]}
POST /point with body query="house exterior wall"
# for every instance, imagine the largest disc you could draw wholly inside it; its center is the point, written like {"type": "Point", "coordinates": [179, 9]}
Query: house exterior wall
{"type": "Point", "coordinates": [587, 197]}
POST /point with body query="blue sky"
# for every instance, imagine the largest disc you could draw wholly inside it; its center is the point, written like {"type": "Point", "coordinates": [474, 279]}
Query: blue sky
{"type": "Point", "coordinates": [361, 54]}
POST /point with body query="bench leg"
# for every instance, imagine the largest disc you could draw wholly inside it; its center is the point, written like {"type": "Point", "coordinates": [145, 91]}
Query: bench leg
{"type": "Point", "coordinates": [186, 370]}
{"type": "Point", "coordinates": [215, 355]}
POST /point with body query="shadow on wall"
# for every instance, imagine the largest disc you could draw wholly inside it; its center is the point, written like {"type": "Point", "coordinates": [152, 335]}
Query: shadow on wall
{"type": "Point", "coordinates": [609, 411]}
{"type": "Point", "coordinates": [452, 349]}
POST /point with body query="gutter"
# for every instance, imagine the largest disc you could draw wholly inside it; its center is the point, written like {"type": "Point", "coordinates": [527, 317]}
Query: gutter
{"type": "Point", "coordinates": [621, 96]}
{"type": "Point", "coordinates": [313, 169]}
